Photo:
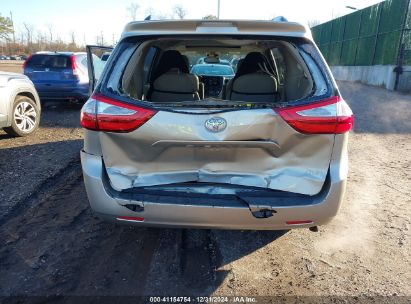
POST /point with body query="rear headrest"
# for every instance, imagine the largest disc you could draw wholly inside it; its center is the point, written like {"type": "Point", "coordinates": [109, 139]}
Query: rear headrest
{"type": "Point", "coordinates": [176, 83]}
{"type": "Point", "coordinates": [187, 62]}
{"type": "Point", "coordinates": [252, 63]}
{"type": "Point", "coordinates": [171, 59]}
{"type": "Point", "coordinates": [255, 83]}
{"type": "Point", "coordinates": [239, 63]}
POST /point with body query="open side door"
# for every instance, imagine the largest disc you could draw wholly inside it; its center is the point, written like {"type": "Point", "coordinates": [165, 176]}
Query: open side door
{"type": "Point", "coordinates": [97, 57]}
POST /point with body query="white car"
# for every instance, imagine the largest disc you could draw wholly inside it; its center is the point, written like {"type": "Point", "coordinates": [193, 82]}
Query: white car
{"type": "Point", "coordinates": [19, 105]}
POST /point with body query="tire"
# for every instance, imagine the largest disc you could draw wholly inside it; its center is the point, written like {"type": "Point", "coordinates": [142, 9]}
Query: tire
{"type": "Point", "coordinates": [25, 118]}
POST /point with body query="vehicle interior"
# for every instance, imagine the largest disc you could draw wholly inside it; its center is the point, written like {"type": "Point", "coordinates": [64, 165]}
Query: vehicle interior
{"type": "Point", "coordinates": [266, 71]}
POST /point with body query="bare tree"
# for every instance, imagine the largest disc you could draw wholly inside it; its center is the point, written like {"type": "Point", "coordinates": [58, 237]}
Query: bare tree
{"type": "Point", "coordinates": [179, 11]}
{"type": "Point", "coordinates": [162, 16]}
{"type": "Point", "coordinates": [50, 31]}
{"type": "Point", "coordinates": [41, 41]}
{"type": "Point", "coordinates": [100, 39]}
{"type": "Point", "coordinates": [149, 11]}
{"type": "Point", "coordinates": [72, 37]}
{"type": "Point", "coordinates": [29, 34]}
{"type": "Point", "coordinates": [113, 40]}
{"type": "Point", "coordinates": [132, 10]}
{"type": "Point", "coordinates": [313, 22]}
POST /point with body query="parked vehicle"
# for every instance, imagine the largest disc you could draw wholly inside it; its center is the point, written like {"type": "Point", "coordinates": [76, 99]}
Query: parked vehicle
{"type": "Point", "coordinates": [14, 57]}
{"type": "Point", "coordinates": [214, 77]}
{"type": "Point", "coordinates": [270, 153]}
{"type": "Point", "coordinates": [58, 75]}
{"type": "Point", "coordinates": [203, 60]}
{"type": "Point", "coordinates": [19, 105]}
{"type": "Point", "coordinates": [234, 62]}
{"type": "Point", "coordinates": [105, 56]}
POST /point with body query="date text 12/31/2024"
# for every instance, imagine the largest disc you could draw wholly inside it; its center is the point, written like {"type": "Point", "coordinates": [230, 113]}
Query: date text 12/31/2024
{"type": "Point", "coordinates": [221, 299]}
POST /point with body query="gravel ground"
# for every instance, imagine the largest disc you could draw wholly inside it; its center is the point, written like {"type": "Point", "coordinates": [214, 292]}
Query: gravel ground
{"type": "Point", "coordinates": [50, 243]}
{"type": "Point", "coordinates": [28, 162]}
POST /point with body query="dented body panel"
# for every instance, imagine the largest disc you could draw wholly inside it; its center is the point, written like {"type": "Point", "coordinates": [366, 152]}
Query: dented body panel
{"type": "Point", "coordinates": [215, 208]}
{"type": "Point", "coordinates": [257, 149]}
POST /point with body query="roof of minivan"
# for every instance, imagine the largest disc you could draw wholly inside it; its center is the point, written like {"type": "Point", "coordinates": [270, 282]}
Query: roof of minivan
{"type": "Point", "coordinates": [223, 27]}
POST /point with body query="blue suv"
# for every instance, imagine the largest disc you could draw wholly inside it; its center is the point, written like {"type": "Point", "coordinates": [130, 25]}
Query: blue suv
{"type": "Point", "coordinates": [59, 75]}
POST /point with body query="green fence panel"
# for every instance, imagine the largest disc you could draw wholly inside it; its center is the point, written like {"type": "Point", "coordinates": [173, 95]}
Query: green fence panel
{"type": "Point", "coordinates": [392, 15]}
{"type": "Point", "coordinates": [387, 48]}
{"type": "Point", "coordinates": [316, 32]}
{"type": "Point", "coordinates": [348, 51]}
{"type": "Point", "coordinates": [325, 50]}
{"type": "Point", "coordinates": [367, 37]}
{"type": "Point", "coordinates": [334, 53]}
{"type": "Point", "coordinates": [352, 25]}
{"type": "Point", "coordinates": [369, 20]}
{"type": "Point", "coordinates": [337, 31]}
{"type": "Point", "coordinates": [365, 51]}
{"type": "Point", "coordinates": [326, 32]}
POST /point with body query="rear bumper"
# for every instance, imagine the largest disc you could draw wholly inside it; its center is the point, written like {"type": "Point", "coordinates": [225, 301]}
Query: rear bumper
{"type": "Point", "coordinates": [226, 215]}
{"type": "Point", "coordinates": [77, 92]}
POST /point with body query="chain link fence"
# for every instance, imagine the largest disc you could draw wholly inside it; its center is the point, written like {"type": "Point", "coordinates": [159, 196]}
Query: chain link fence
{"type": "Point", "coordinates": [376, 35]}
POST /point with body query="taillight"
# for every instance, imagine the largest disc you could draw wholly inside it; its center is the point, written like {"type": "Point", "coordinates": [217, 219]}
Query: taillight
{"type": "Point", "coordinates": [74, 67]}
{"type": "Point", "coordinates": [25, 61]}
{"type": "Point", "coordinates": [328, 116]}
{"type": "Point", "coordinates": [101, 113]}
{"type": "Point", "coordinates": [130, 219]}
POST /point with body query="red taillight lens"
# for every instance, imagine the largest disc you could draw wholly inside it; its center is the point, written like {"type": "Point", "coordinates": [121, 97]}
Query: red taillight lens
{"type": "Point", "coordinates": [329, 116]}
{"type": "Point", "coordinates": [25, 62]}
{"type": "Point", "coordinates": [74, 67]}
{"type": "Point", "coordinates": [101, 113]}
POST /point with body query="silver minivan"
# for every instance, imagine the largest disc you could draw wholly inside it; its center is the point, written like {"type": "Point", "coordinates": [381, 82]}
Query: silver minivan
{"type": "Point", "coordinates": [265, 148]}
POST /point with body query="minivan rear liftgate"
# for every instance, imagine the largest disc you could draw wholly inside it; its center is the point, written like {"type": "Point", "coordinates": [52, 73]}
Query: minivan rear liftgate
{"type": "Point", "coordinates": [257, 148]}
{"type": "Point", "coordinates": [269, 152]}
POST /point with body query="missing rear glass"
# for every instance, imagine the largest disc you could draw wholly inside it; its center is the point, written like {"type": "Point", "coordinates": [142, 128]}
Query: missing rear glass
{"type": "Point", "coordinates": [218, 72]}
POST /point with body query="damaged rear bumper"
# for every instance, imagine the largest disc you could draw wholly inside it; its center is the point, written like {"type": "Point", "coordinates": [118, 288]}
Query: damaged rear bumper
{"type": "Point", "coordinates": [163, 208]}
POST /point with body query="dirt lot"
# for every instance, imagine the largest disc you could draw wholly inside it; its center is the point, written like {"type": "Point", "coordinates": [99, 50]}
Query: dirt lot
{"type": "Point", "coordinates": [51, 244]}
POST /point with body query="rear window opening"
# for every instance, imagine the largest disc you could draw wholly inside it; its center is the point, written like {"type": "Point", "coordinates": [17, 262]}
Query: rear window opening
{"type": "Point", "coordinates": [49, 61]}
{"type": "Point", "coordinates": [217, 72]}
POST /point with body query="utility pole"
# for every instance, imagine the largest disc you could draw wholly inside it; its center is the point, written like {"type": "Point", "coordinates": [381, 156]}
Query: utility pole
{"type": "Point", "coordinates": [12, 26]}
{"type": "Point", "coordinates": [218, 10]}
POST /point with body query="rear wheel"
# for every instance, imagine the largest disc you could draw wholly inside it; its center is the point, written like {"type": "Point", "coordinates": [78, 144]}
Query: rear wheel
{"type": "Point", "coordinates": [25, 117]}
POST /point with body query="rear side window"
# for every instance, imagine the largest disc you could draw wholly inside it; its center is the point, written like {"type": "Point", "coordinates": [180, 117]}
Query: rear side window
{"type": "Point", "coordinates": [49, 61]}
